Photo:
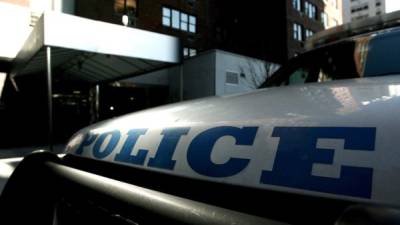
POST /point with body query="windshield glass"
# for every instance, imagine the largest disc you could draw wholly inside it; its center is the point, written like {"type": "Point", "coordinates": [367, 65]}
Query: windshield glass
{"type": "Point", "coordinates": [341, 61]}
{"type": "Point", "coordinates": [364, 56]}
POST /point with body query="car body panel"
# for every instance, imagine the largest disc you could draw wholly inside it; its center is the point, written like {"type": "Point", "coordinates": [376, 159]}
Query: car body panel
{"type": "Point", "coordinates": [335, 139]}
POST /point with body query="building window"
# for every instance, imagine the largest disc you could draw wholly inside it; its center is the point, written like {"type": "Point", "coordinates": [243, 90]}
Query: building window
{"type": "Point", "coordinates": [178, 20]}
{"type": "Point", "coordinates": [296, 5]}
{"type": "Point", "coordinates": [360, 8]}
{"type": "Point", "coordinates": [192, 24]}
{"type": "Point", "coordinates": [184, 21]}
{"type": "Point", "coordinates": [297, 32]}
{"type": "Point", "coordinates": [126, 8]}
{"type": "Point", "coordinates": [310, 10]}
{"type": "Point", "coordinates": [309, 33]}
{"type": "Point", "coordinates": [192, 52]}
{"type": "Point", "coordinates": [189, 52]}
{"type": "Point", "coordinates": [166, 20]}
{"type": "Point", "coordinates": [324, 19]}
{"type": "Point", "coordinates": [121, 8]}
{"type": "Point", "coordinates": [175, 19]}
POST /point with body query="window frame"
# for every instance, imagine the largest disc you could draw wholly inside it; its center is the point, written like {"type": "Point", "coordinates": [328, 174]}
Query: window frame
{"type": "Point", "coordinates": [179, 20]}
{"type": "Point", "coordinates": [298, 32]}
{"type": "Point", "coordinates": [189, 52]}
{"type": "Point", "coordinates": [183, 22]}
{"type": "Point", "coordinates": [177, 17]}
{"type": "Point", "coordinates": [192, 24]}
{"type": "Point", "coordinates": [325, 19]}
{"type": "Point", "coordinates": [169, 17]}
{"type": "Point", "coordinates": [310, 10]}
{"type": "Point", "coordinates": [296, 4]}
{"type": "Point", "coordinates": [309, 33]}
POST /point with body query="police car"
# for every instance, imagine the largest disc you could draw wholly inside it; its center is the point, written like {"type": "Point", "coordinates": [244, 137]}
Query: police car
{"type": "Point", "coordinates": [316, 153]}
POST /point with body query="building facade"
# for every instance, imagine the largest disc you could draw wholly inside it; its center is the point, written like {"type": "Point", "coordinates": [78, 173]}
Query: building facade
{"type": "Point", "coordinates": [303, 21]}
{"type": "Point", "coordinates": [269, 30]}
{"type": "Point", "coordinates": [361, 9]}
{"type": "Point", "coordinates": [307, 17]}
{"type": "Point", "coordinates": [273, 30]}
{"type": "Point", "coordinates": [187, 19]}
{"type": "Point", "coordinates": [332, 14]}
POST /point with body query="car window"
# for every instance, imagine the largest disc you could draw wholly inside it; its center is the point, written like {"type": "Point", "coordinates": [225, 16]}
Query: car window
{"type": "Point", "coordinates": [340, 61]}
{"type": "Point", "coordinates": [299, 76]}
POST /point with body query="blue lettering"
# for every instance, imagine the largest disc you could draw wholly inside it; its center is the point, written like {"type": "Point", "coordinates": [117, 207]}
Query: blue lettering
{"type": "Point", "coordinates": [125, 153]}
{"type": "Point", "coordinates": [165, 152]}
{"type": "Point", "coordinates": [100, 154]}
{"type": "Point", "coordinates": [297, 152]}
{"type": "Point", "coordinates": [87, 140]}
{"type": "Point", "coordinates": [199, 151]}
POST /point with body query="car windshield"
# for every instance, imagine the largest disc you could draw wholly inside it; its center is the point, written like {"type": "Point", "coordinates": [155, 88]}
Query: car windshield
{"type": "Point", "coordinates": [359, 57]}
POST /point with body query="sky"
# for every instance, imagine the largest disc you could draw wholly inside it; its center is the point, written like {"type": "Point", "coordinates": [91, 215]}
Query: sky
{"type": "Point", "coordinates": [392, 5]}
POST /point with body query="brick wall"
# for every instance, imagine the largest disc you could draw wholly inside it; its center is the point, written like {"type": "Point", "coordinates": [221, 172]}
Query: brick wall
{"type": "Point", "coordinates": [294, 16]}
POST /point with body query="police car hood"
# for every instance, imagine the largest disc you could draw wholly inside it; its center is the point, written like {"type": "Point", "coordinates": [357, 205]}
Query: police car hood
{"type": "Point", "coordinates": [336, 139]}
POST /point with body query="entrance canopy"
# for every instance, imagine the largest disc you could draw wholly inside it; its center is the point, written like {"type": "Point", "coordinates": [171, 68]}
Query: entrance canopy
{"type": "Point", "coordinates": [93, 51]}
{"type": "Point", "coordinates": [71, 47]}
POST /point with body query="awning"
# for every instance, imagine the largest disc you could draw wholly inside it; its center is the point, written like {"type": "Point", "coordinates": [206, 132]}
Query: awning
{"type": "Point", "coordinates": [93, 51]}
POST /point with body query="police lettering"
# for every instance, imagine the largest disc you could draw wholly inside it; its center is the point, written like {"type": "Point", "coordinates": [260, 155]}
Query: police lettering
{"type": "Point", "coordinates": [295, 155]}
{"type": "Point", "coordinates": [125, 154]}
{"type": "Point", "coordinates": [163, 158]}
{"type": "Point", "coordinates": [297, 152]}
{"type": "Point", "coordinates": [199, 151]}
